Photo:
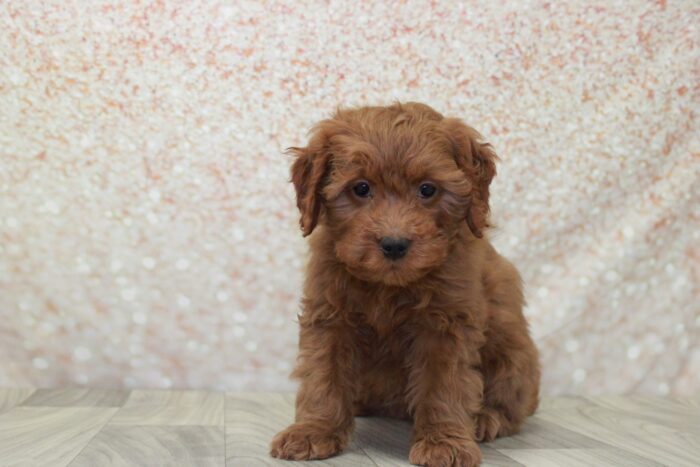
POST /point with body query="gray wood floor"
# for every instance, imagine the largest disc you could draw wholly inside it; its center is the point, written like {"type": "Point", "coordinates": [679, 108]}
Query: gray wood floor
{"type": "Point", "coordinates": [94, 427]}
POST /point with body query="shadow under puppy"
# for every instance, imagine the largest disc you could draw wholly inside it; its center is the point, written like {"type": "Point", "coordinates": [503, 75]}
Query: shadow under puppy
{"type": "Point", "coordinates": [407, 311]}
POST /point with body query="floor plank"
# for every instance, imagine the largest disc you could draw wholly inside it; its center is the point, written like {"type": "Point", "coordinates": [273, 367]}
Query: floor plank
{"type": "Point", "coordinates": [609, 457]}
{"type": "Point", "coordinates": [9, 398]}
{"type": "Point", "coordinates": [51, 436]}
{"type": "Point", "coordinates": [667, 412]}
{"type": "Point", "coordinates": [565, 402]}
{"type": "Point", "coordinates": [151, 446]}
{"type": "Point", "coordinates": [385, 441]}
{"type": "Point", "coordinates": [252, 420]}
{"type": "Point", "coordinates": [493, 458]}
{"type": "Point", "coordinates": [76, 397]}
{"type": "Point", "coordinates": [87, 427]}
{"type": "Point", "coordinates": [541, 434]}
{"type": "Point", "coordinates": [629, 432]}
{"type": "Point", "coordinates": [172, 408]}
{"type": "Point", "coordinates": [691, 402]}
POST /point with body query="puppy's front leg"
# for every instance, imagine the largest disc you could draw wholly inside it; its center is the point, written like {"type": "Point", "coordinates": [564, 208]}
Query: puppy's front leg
{"type": "Point", "coordinates": [324, 418]}
{"type": "Point", "coordinates": [445, 392]}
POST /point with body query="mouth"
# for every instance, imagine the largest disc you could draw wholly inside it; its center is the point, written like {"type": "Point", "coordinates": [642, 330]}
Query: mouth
{"type": "Point", "coordinates": [400, 272]}
{"type": "Point", "coordinates": [368, 262]}
{"type": "Point", "coordinates": [394, 271]}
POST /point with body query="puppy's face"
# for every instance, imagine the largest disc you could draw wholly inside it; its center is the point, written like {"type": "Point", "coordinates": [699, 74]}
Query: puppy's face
{"type": "Point", "coordinates": [392, 214]}
{"type": "Point", "coordinates": [393, 185]}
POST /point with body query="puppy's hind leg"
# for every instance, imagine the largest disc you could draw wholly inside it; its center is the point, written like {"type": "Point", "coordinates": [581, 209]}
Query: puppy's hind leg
{"type": "Point", "coordinates": [511, 383]}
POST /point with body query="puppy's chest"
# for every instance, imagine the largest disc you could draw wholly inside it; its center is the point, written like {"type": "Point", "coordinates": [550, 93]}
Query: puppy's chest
{"type": "Point", "coordinates": [381, 321]}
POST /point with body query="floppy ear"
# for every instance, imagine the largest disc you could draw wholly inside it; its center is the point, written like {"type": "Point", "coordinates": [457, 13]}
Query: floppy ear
{"type": "Point", "coordinates": [308, 172]}
{"type": "Point", "coordinates": [478, 161]}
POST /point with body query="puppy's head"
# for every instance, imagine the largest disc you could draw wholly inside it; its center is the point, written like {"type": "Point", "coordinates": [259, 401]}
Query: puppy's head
{"type": "Point", "coordinates": [393, 186]}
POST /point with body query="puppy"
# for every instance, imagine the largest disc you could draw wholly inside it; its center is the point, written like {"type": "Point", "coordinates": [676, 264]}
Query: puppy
{"type": "Point", "coordinates": [407, 310]}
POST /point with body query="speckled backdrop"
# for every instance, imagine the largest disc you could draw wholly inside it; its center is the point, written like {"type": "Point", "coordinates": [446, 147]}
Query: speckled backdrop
{"type": "Point", "coordinates": [148, 232]}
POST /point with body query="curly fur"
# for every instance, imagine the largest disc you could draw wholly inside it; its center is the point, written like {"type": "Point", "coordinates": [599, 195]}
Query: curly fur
{"type": "Point", "coordinates": [438, 336]}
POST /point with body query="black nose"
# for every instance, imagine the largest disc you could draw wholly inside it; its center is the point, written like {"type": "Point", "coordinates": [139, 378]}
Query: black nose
{"type": "Point", "coordinates": [394, 248]}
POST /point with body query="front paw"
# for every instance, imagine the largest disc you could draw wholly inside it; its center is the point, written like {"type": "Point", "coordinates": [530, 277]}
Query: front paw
{"type": "Point", "coordinates": [302, 441]}
{"type": "Point", "coordinates": [446, 452]}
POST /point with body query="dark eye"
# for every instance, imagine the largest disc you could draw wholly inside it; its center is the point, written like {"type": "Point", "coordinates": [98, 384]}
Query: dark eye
{"type": "Point", "coordinates": [361, 189]}
{"type": "Point", "coordinates": [427, 190]}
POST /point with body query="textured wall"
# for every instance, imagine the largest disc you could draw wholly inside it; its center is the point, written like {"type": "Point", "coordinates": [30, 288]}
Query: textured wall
{"type": "Point", "coordinates": [148, 232]}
